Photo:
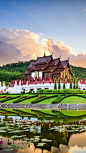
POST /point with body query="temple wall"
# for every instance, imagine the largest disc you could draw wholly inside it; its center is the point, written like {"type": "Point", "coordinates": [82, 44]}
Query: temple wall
{"type": "Point", "coordinates": [35, 87]}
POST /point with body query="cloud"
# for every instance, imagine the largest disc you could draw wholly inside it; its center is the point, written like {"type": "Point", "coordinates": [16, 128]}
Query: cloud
{"type": "Point", "coordinates": [17, 45]}
{"type": "Point", "coordinates": [23, 45]}
{"type": "Point", "coordinates": [60, 49]}
{"type": "Point", "coordinates": [85, 9]}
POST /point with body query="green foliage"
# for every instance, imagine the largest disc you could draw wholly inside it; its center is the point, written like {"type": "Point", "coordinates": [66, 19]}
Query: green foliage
{"type": "Point", "coordinates": [64, 84]}
{"type": "Point", "coordinates": [8, 76]}
{"type": "Point", "coordinates": [30, 92]}
{"type": "Point", "coordinates": [78, 91]}
{"type": "Point", "coordinates": [7, 93]}
{"type": "Point", "coordinates": [70, 83]}
{"type": "Point", "coordinates": [77, 83]}
{"type": "Point", "coordinates": [59, 84]}
{"type": "Point", "coordinates": [23, 92]}
{"type": "Point", "coordinates": [55, 83]}
{"type": "Point", "coordinates": [79, 72]}
{"type": "Point", "coordinates": [16, 67]}
{"type": "Point", "coordinates": [13, 71]}
{"type": "Point", "coordinates": [74, 83]}
{"type": "Point", "coordinates": [41, 91]}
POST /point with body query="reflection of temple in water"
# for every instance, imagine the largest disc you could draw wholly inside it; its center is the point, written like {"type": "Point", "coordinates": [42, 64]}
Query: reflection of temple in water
{"type": "Point", "coordinates": [56, 137]}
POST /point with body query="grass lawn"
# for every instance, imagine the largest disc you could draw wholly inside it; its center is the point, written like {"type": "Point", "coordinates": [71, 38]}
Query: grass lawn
{"type": "Point", "coordinates": [48, 112]}
{"type": "Point", "coordinates": [73, 113]}
{"type": "Point", "coordinates": [47, 101]}
{"type": "Point", "coordinates": [10, 101]}
{"type": "Point", "coordinates": [74, 100]}
{"type": "Point", "coordinates": [28, 101]}
{"type": "Point", "coordinates": [28, 111]}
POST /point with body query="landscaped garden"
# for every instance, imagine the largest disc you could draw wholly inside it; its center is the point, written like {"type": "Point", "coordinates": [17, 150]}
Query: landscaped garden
{"type": "Point", "coordinates": [65, 96]}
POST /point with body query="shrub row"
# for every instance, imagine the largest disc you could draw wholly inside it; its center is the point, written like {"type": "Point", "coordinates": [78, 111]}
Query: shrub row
{"type": "Point", "coordinates": [42, 98]}
{"type": "Point", "coordinates": [78, 91]}
{"type": "Point", "coordinates": [61, 97]}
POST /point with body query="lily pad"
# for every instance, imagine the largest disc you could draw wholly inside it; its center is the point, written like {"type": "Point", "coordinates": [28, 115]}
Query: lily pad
{"type": "Point", "coordinates": [8, 149]}
{"type": "Point", "coordinates": [8, 146]}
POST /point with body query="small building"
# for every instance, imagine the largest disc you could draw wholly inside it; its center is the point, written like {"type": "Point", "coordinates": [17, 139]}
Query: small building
{"type": "Point", "coordinates": [47, 67]}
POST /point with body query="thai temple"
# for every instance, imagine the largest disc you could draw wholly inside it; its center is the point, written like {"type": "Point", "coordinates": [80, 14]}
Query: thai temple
{"type": "Point", "coordinates": [41, 74]}
{"type": "Point", "coordinates": [46, 67]}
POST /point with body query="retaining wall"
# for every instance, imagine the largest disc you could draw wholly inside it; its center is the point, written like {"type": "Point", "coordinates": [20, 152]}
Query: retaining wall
{"type": "Point", "coordinates": [45, 106]}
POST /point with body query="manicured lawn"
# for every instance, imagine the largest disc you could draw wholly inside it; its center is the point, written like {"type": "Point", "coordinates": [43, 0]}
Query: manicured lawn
{"type": "Point", "coordinates": [47, 101]}
{"type": "Point", "coordinates": [73, 113]}
{"type": "Point", "coordinates": [10, 101]}
{"type": "Point", "coordinates": [49, 112]}
{"type": "Point", "coordinates": [1, 99]}
{"type": "Point", "coordinates": [48, 95]}
{"type": "Point", "coordinates": [28, 101]}
{"type": "Point", "coordinates": [28, 111]}
{"type": "Point", "coordinates": [73, 100]}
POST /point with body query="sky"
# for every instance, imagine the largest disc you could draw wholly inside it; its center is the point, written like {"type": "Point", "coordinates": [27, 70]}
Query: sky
{"type": "Point", "coordinates": [28, 28]}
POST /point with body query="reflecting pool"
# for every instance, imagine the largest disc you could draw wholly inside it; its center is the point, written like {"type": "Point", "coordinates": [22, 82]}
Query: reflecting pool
{"type": "Point", "coordinates": [42, 131]}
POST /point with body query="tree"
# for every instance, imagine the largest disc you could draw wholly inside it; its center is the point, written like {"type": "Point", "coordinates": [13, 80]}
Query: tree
{"type": "Point", "coordinates": [70, 83]}
{"type": "Point", "coordinates": [74, 83]}
{"type": "Point", "coordinates": [59, 85]}
{"type": "Point", "coordinates": [64, 84]}
{"type": "Point", "coordinates": [55, 83]}
{"type": "Point", "coordinates": [77, 83]}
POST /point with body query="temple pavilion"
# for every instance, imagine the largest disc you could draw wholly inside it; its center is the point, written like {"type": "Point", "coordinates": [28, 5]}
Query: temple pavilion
{"type": "Point", "coordinates": [47, 67]}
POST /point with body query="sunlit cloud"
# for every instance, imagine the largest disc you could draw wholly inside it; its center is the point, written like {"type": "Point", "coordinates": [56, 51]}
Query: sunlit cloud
{"type": "Point", "coordinates": [23, 45]}
{"type": "Point", "coordinates": [85, 9]}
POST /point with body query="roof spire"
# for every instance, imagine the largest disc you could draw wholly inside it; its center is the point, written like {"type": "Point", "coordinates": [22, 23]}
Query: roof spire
{"type": "Point", "coordinates": [44, 54]}
{"type": "Point", "coordinates": [68, 58]}
{"type": "Point", "coordinates": [60, 56]}
{"type": "Point", "coordinates": [52, 54]}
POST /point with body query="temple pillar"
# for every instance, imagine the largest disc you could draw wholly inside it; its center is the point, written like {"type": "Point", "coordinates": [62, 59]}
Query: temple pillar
{"type": "Point", "coordinates": [3, 83]}
{"type": "Point", "coordinates": [64, 73]}
{"type": "Point", "coordinates": [61, 74]}
{"type": "Point", "coordinates": [27, 83]}
{"type": "Point", "coordinates": [35, 89]}
{"type": "Point", "coordinates": [20, 82]}
{"type": "Point", "coordinates": [68, 75]}
{"type": "Point", "coordinates": [15, 83]}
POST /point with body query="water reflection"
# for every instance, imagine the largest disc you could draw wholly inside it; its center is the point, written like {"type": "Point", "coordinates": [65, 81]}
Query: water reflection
{"type": "Point", "coordinates": [80, 147]}
{"type": "Point", "coordinates": [55, 135]}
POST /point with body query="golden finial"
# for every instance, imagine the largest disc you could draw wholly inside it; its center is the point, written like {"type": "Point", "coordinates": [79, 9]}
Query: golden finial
{"type": "Point", "coordinates": [68, 58]}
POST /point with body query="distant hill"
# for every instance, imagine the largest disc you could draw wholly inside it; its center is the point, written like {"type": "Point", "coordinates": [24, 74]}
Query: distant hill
{"type": "Point", "coordinates": [12, 71]}
{"type": "Point", "coordinates": [79, 72]}
{"type": "Point", "coordinates": [16, 67]}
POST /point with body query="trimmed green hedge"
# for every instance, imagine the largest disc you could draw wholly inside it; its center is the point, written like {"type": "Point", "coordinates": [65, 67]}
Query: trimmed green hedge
{"type": "Point", "coordinates": [71, 91]}
{"type": "Point", "coordinates": [61, 97]}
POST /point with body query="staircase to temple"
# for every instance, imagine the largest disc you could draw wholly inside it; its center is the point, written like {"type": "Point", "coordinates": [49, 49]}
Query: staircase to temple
{"type": "Point", "coordinates": [3, 91]}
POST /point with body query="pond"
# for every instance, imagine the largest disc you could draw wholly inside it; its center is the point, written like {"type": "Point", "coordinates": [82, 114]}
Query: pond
{"type": "Point", "coordinates": [42, 131]}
